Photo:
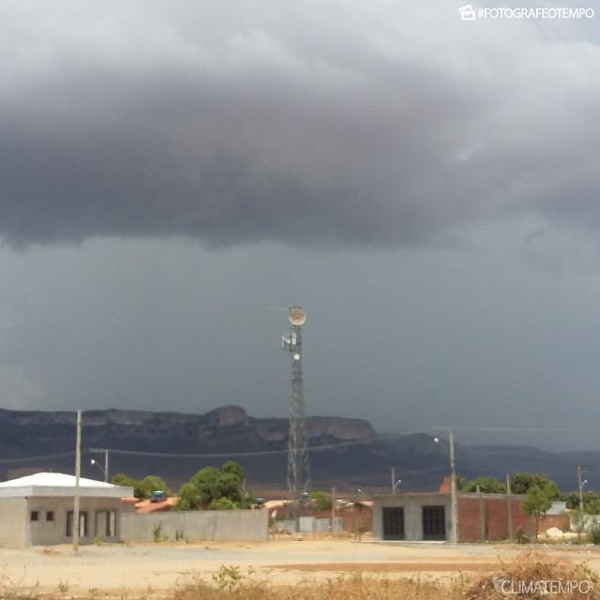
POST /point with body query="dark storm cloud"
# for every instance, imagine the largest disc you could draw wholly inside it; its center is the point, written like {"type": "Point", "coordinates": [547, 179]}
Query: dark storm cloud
{"type": "Point", "coordinates": [331, 122]}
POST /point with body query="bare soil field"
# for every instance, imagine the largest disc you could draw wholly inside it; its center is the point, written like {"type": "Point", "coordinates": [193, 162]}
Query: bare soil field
{"type": "Point", "coordinates": [121, 571]}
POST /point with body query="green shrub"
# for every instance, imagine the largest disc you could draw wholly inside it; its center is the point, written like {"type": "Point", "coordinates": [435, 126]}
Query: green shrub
{"type": "Point", "coordinates": [594, 534]}
{"type": "Point", "coordinates": [522, 537]}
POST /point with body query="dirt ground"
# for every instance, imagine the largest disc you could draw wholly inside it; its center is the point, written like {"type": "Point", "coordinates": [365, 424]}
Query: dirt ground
{"type": "Point", "coordinates": [152, 568]}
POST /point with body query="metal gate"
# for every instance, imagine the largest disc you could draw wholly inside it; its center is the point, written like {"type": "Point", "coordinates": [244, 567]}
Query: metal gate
{"type": "Point", "coordinates": [393, 523]}
{"type": "Point", "coordinates": [434, 523]}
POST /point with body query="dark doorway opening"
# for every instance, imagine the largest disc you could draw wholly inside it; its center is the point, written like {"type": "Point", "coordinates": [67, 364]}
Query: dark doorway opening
{"type": "Point", "coordinates": [434, 523]}
{"type": "Point", "coordinates": [393, 523]}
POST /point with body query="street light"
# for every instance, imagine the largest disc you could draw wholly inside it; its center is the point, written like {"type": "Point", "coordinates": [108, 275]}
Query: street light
{"type": "Point", "coordinates": [95, 462]}
{"type": "Point", "coordinates": [453, 492]}
{"type": "Point", "coordinates": [395, 482]}
{"type": "Point", "coordinates": [581, 484]}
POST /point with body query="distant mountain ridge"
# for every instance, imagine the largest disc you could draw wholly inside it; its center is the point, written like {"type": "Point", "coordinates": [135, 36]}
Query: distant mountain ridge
{"type": "Point", "coordinates": [346, 453]}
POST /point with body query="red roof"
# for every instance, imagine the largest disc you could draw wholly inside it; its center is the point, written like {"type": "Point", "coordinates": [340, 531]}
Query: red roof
{"type": "Point", "coordinates": [147, 506]}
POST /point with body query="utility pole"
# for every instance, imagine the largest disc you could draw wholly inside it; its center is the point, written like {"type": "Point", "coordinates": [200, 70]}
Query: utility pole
{"type": "Point", "coordinates": [75, 525]}
{"type": "Point", "coordinates": [580, 487]}
{"type": "Point", "coordinates": [509, 508]}
{"type": "Point", "coordinates": [481, 514]}
{"type": "Point", "coordinates": [453, 489]}
{"type": "Point", "coordinates": [453, 492]}
{"type": "Point", "coordinates": [332, 510]}
{"type": "Point", "coordinates": [395, 482]}
{"type": "Point", "coordinates": [580, 484]}
{"type": "Point", "coordinates": [106, 460]}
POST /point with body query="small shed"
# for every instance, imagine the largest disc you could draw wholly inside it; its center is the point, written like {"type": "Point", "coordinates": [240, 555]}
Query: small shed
{"type": "Point", "coordinates": [38, 510]}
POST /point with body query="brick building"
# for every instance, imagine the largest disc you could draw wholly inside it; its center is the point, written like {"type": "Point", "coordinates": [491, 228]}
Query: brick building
{"type": "Point", "coordinates": [481, 517]}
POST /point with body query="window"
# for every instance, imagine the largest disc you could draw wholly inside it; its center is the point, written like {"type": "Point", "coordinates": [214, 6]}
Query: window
{"type": "Point", "coordinates": [34, 515]}
{"type": "Point", "coordinates": [49, 515]}
{"type": "Point", "coordinates": [83, 524]}
{"type": "Point", "coordinates": [434, 523]}
{"type": "Point", "coordinates": [106, 523]}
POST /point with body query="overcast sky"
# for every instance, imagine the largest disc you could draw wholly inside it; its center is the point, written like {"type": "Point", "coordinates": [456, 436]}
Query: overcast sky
{"type": "Point", "coordinates": [426, 187]}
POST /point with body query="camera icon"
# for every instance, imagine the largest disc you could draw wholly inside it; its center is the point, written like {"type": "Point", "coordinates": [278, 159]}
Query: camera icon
{"type": "Point", "coordinates": [467, 13]}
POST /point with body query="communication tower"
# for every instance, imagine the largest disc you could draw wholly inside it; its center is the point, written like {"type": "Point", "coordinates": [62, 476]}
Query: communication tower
{"type": "Point", "coordinates": [298, 474]}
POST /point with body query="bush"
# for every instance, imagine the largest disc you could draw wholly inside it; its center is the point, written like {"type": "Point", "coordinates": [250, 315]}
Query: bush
{"type": "Point", "coordinates": [222, 504]}
{"type": "Point", "coordinates": [594, 534]}
{"type": "Point", "coordinates": [522, 537]}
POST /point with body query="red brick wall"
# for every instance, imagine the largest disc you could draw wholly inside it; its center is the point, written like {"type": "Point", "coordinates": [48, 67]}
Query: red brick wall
{"type": "Point", "coordinates": [495, 518]}
{"type": "Point", "coordinates": [495, 521]}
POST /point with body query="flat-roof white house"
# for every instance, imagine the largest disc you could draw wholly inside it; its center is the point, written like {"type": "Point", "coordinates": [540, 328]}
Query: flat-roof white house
{"type": "Point", "coordinates": [38, 510]}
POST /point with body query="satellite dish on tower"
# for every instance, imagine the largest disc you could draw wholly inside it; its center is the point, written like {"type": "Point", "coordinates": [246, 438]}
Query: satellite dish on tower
{"type": "Point", "coordinates": [297, 316]}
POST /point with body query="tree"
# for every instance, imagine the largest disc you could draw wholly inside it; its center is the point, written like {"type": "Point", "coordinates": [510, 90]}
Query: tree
{"type": "Point", "coordinates": [521, 483]}
{"type": "Point", "coordinates": [591, 502]}
{"type": "Point", "coordinates": [205, 482]}
{"type": "Point", "coordinates": [229, 486]}
{"type": "Point", "coordinates": [188, 497]}
{"type": "Point", "coordinates": [153, 483]}
{"type": "Point", "coordinates": [213, 484]}
{"type": "Point", "coordinates": [487, 485]}
{"type": "Point", "coordinates": [122, 479]}
{"type": "Point", "coordinates": [321, 500]}
{"type": "Point", "coordinates": [142, 488]}
{"type": "Point", "coordinates": [536, 503]}
{"type": "Point", "coordinates": [233, 468]}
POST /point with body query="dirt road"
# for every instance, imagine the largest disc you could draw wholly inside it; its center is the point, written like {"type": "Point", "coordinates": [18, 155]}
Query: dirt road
{"type": "Point", "coordinates": [156, 567]}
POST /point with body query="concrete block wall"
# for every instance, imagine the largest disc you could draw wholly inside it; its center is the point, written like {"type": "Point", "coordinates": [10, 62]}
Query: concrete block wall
{"type": "Point", "coordinates": [413, 506]}
{"type": "Point", "coordinates": [197, 525]}
{"type": "Point", "coordinates": [14, 532]}
{"type": "Point", "coordinates": [45, 532]}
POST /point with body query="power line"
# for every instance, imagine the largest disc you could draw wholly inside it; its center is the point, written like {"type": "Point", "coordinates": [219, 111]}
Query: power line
{"type": "Point", "coordinates": [31, 458]}
{"type": "Point", "coordinates": [319, 448]}
{"type": "Point", "coordinates": [519, 429]}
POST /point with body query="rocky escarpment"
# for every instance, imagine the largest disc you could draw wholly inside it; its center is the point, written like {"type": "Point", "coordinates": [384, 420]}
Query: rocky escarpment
{"type": "Point", "coordinates": [143, 441]}
{"type": "Point", "coordinates": [345, 453]}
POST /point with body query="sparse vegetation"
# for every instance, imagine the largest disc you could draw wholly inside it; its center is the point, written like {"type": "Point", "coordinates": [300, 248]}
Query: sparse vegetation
{"type": "Point", "coordinates": [157, 532]}
{"type": "Point", "coordinates": [594, 534]}
{"type": "Point", "coordinates": [486, 485]}
{"type": "Point", "coordinates": [529, 575]}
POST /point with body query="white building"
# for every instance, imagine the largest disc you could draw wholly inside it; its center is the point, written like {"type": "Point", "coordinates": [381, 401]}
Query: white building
{"type": "Point", "coordinates": [38, 510]}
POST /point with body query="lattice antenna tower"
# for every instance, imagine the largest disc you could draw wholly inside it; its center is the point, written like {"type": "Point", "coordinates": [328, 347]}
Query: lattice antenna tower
{"type": "Point", "coordinates": [298, 473]}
